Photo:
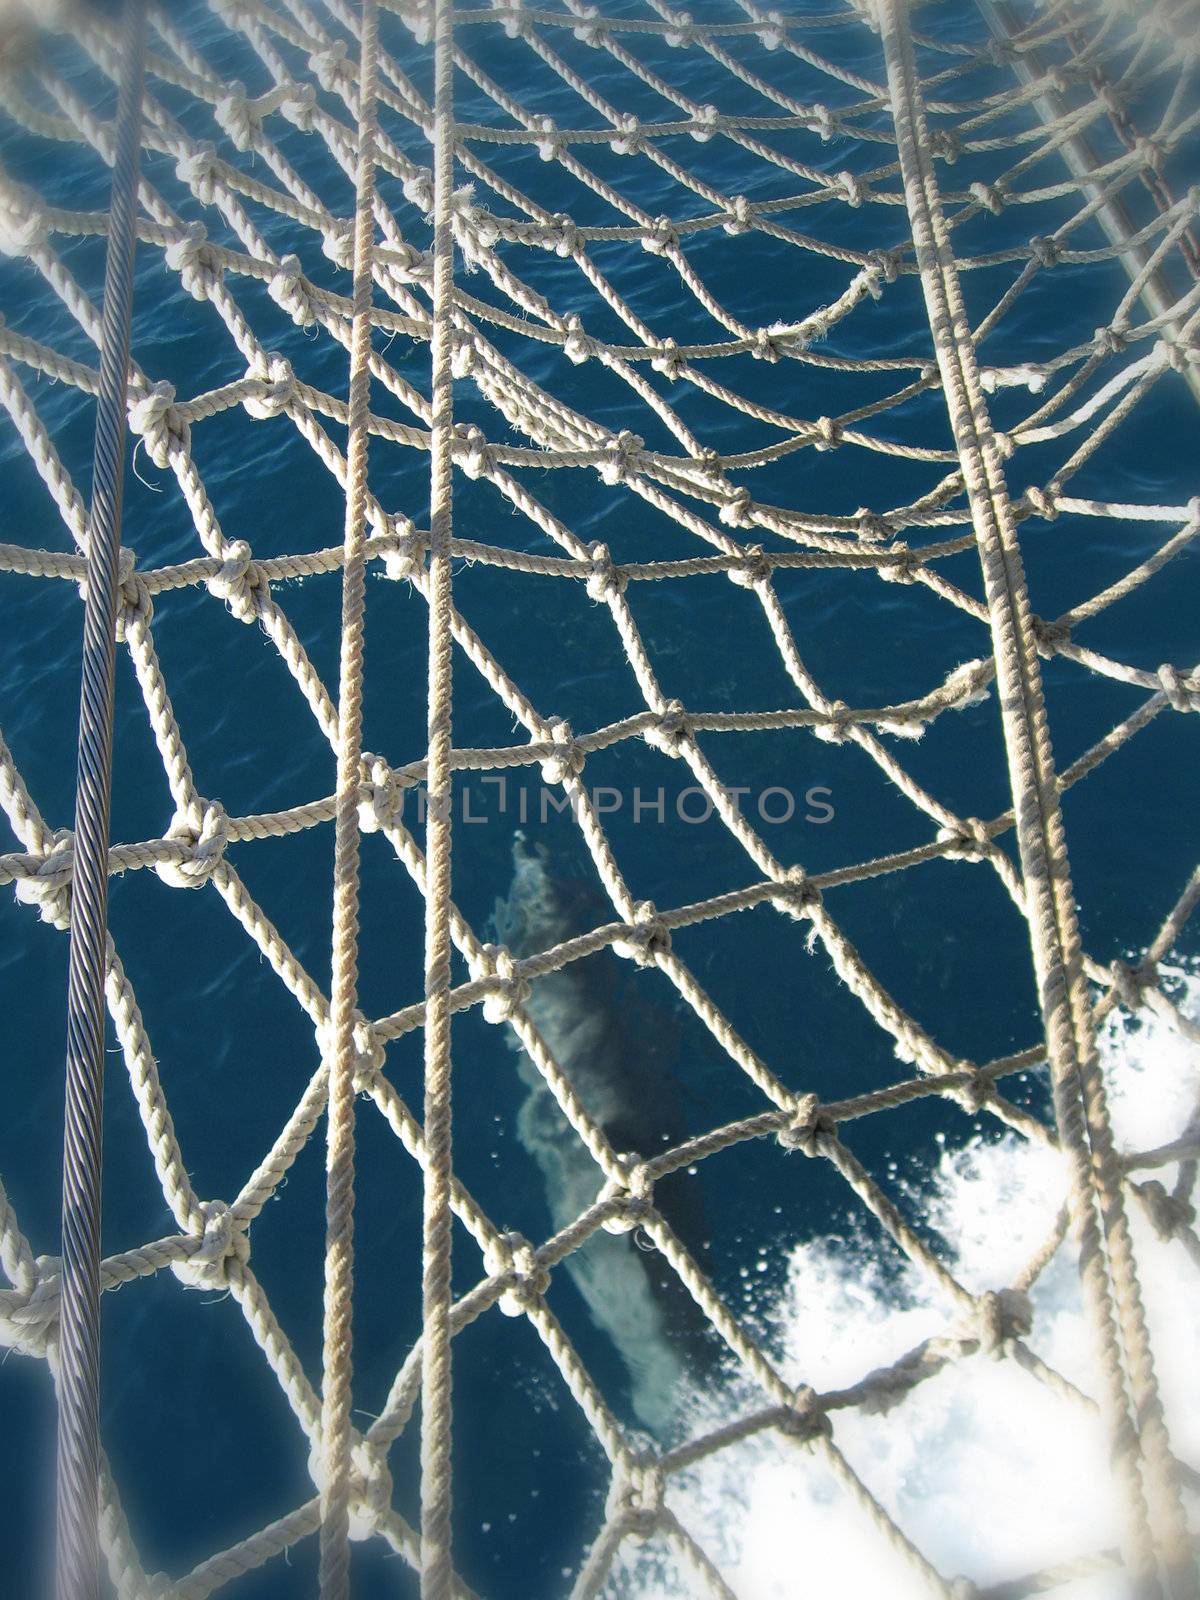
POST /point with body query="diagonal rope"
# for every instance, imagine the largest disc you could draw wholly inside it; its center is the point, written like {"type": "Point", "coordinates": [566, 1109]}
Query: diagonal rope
{"type": "Point", "coordinates": [77, 1567]}
{"type": "Point", "coordinates": [1138, 1437]}
{"type": "Point", "coordinates": [436, 1565]}
{"type": "Point", "coordinates": [342, 1057]}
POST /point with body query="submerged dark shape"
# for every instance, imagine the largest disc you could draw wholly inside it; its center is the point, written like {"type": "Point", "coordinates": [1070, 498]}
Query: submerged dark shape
{"type": "Point", "coordinates": [618, 1041]}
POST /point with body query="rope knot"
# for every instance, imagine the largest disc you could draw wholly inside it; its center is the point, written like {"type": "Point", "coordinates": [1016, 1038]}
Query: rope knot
{"type": "Point", "coordinates": [604, 578]}
{"type": "Point", "coordinates": [49, 887]}
{"type": "Point", "coordinates": [370, 1484]}
{"type": "Point", "coordinates": [1179, 357]}
{"type": "Point", "coordinates": [1051, 636]}
{"type": "Point", "coordinates": [851, 188]}
{"type": "Point", "coordinates": [199, 173]}
{"type": "Point", "coordinates": [551, 144]}
{"type": "Point", "coordinates": [736, 512]}
{"type": "Point", "coordinates": [709, 119]}
{"type": "Point", "coordinates": [767, 345]}
{"type": "Point", "coordinates": [299, 104]}
{"type": "Point", "coordinates": [511, 1256]}
{"type": "Point", "coordinates": [567, 758]}
{"type": "Point", "coordinates": [683, 33]}
{"type": "Point", "coordinates": [292, 293]}
{"type": "Point", "coordinates": [826, 124]}
{"type": "Point", "coordinates": [590, 28]}
{"type": "Point", "coordinates": [870, 527]}
{"type": "Point", "coordinates": [1180, 692]}
{"type": "Point", "coordinates": [195, 260]}
{"type": "Point", "coordinates": [406, 557]}
{"type": "Point", "coordinates": [1002, 443]}
{"type": "Point", "coordinates": [578, 347]}
{"type": "Point", "coordinates": [969, 840]}
{"type": "Point", "coordinates": [773, 35]}
{"type": "Point", "coordinates": [370, 1489]}
{"type": "Point", "coordinates": [976, 1090]}
{"type": "Point", "coordinates": [807, 1126]}
{"type": "Point", "coordinates": [1131, 983]}
{"type": "Point", "coordinates": [23, 232]}
{"type": "Point", "coordinates": [1043, 502]}
{"type": "Point", "coordinates": [160, 424]}
{"type": "Point", "coordinates": [1001, 1317]}
{"type": "Point", "coordinates": [828, 433]}
{"type": "Point", "coordinates": [754, 568]}
{"type": "Point", "coordinates": [514, 22]}
{"type": "Point", "coordinates": [660, 237]}
{"type": "Point", "coordinates": [134, 604]}
{"type": "Point", "coordinates": [796, 896]}
{"type": "Point", "coordinates": [462, 353]}
{"type": "Point", "coordinates": [883, 266]}
{"type": "Point", "coordinates": [622, 454]}
{"type": "Point", "coordinates": [508, 990]}
{"type": "Point", "coordinates": [239, 583]}
{"type": "Point", "coordinates": [370, 1055]}
{"type": "Point", "coordinates": [1170, 1214]}
{"type": "Point", "coordinates": [238, 116]}
{"type": "Point", "coordinates": [203, 833]}
{"type": "Point", "coordinates": [631, 1195]}
{"type": "Point", "coordinates": [836, 729]}
{"type": "Point", "coordinates": [418, 190]}
{"type": "Point", "coordinates": [380, 796]}
{"type": "Point", "coordinates": [474, 454]}
{"type": "Point", "coordinates": [29, 1317]}
{"type": "Point", "coordinates": [278, 387]}
{"type": "Point", "coordinates": [1112, 341]}
{"type": "Point", "coordinates": [630, 142]}
{"type": "Point", "coordinates": [635, 1499]}
{"type": "Point", "coordinates": [673, 730]}
{"type": "Point", "coordinates": [944, 142]}
{"type": "Point", "coordinates": [648, 937]}
{"type": "Point", "coordinates": [988, 195]}
{"type": "Point", "coordinates": [903, 567]}
{"type": "Point", "coordinates": [565, 236]}
{"type": "Point", "coordinates": [337, 242]}
{"type": "Point", "coordinates": [804, 1420]}
{"type": "Point", "coordinates": [330, 66]}
{"type": "Point", "coordinates": [1046, 252]}
{"type": "Point", "coordinates": [742, 216]}
{"type": "Point", "coordinates": [669, 362]}
{"type": "Point", "coordinates": [222, 1242]}
{"type": "Point", "coordinates": [1151, 152]}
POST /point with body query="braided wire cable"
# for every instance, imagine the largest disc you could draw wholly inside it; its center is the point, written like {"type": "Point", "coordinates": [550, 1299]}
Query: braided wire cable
{"type": "Point", "coordinates": [78, 1506]}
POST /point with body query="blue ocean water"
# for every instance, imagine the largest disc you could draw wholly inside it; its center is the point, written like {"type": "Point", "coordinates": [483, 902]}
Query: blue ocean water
{"type": "Point", "coordinates": [201, 1440]}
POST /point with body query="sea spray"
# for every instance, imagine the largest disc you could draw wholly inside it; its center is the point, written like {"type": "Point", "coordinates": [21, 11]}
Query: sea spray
{"type": "Point", "coordinates": [987, 1472]}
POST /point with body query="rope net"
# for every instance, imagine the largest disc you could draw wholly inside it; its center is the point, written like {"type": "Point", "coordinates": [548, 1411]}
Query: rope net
{"type": "Point", "coordinates": [366, 199]}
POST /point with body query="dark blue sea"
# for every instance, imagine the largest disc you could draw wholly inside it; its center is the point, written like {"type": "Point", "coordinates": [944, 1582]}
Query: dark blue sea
{"type": "Point", "coordinates": [201, 1440]}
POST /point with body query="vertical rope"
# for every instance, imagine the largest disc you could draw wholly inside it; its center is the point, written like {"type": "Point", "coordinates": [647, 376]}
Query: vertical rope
{"type": "Point", "coordinates": [78, 1494]}
{"type": "Point", "coordinates": [1106, 1258]}
{"type": "Point", "coordinates": [341, 1049]}
{"type": "Point", "coordinates": [436, 1570]}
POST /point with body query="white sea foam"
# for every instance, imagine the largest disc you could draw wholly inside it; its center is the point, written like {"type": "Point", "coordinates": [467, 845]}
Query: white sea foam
{"type": "Point", "coordinates": [989, 1474]}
